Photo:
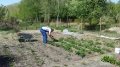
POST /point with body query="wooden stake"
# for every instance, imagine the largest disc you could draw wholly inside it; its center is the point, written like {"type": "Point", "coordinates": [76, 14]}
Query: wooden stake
{"type": "Point", "coordinates": [100, 24]}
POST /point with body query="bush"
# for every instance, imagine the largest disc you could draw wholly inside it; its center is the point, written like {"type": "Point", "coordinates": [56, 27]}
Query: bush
{"type": "Point", "coordinates": [72, 30]}
{"type": "Point", "coordinates": [5, 28]}
{"type": "Point", "coordinates": [60, 28]}
{"type": "Point", "coordinates": [95, 21]}
{"type": "Point", "coordinates": [103, 26]}
{"type": "Point", "coordinates": [111, 60]}
{"type": "Point", "coordinates": [24, 24]}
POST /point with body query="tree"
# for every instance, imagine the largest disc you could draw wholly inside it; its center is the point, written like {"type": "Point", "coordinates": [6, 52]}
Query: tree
{"type": "Point", "coordinates": [92, 9]}
{"type": "Point", "coordinates": [2, 12]}
{"type": "Point", "coordinates": [29, 9]}
{"type": "Point", "coordinates": [114, 11]}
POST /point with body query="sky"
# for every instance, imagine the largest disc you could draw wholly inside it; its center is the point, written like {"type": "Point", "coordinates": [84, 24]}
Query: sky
{"type": "Point", "coordinates": [8, 2]}
{"type": "Point", "coordinates": [115, 1]}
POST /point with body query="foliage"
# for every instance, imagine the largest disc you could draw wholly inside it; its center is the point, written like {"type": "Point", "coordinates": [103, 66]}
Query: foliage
{"type": "Point", "coordinates": [95, 21]}
{"type": "Point", "coordinates": [111, 60]}
{"type": "Point", "coordinates": [60, 28]}
{"type": "Point", "coordinates": [46, 11]}
{"type": "Point", "coordinates": [83, 47]}
{"type": "Point", "coordinates": [2, 12]}
{"type": "Point", "coordinates": [72, 30]}
{"type": "Point", "coordinates": [114, 11]}
{"type": "Point", "coordinates": [93, 9]}
{"type": "Point", "coordinates": [5, 28]}
{"type": "Point", "coordinates": [80, 53]}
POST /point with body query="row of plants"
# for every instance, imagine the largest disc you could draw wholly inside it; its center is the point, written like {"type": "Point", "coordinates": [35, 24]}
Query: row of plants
{"type": "Point", "coordinates": [7, 53]}
{"type": "Point", "coordinates": [45, 54]}
{"type": "Point", "coordinates": [84, 47]}
{"type": "Point", "coordinates": [40, 61]}
{"type": "Point", "coordinates": [19, 49]}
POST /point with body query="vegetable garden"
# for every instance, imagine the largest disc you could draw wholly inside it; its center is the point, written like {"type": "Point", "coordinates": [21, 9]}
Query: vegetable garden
{"type": "Point", "coordinates": [85, 47]}
{"type": "Point", "coordinates": [63, 53]}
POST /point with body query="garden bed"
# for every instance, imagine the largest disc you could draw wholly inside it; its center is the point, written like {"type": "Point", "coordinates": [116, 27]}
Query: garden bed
{"type": "Point", "coordinates": [69, 51]}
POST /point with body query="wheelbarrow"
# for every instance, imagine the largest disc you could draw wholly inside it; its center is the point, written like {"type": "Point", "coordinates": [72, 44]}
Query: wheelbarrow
{"type": "Point", "coordinates": [24, 37]}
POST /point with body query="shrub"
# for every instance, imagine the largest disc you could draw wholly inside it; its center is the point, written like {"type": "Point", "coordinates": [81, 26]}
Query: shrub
{"type": "Point", "coordinates": [111, 60]}
{"type": "Point", "coordinates": [5, 28]}
{"type": "Point", "coordinates": [60, 28]}
{"type": "Point", "coordinates": [80, 53]}
{"type": "Point", "coordinates": [24, 24]}
{"type": "Point", "coordinates": [95, 21]}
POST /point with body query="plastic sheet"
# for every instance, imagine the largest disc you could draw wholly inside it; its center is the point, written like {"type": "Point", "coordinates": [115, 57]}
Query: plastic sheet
{"type": "Point", "coordinates": [65, 31]}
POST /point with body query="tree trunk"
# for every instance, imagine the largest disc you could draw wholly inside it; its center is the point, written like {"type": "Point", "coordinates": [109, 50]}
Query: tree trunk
{"type": "Point", "coordinates": [90, 24]}
{"type": "Point", "coordinates": [67, 21]}
{"type": "Point", "coordinates": [48, 11]}
{"type": "Point", "coordinates": [81, 23]}
{"type": "Point", "coordinates": [57, 23]}
{"type": "Point", "coordinates": [60, 22]}
{"type": "Point", "coordinates": [100, 25]}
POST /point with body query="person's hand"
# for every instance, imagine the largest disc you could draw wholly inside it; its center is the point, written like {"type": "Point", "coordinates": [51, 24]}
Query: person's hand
{"type": "Point", "coordinates": [51, 36]}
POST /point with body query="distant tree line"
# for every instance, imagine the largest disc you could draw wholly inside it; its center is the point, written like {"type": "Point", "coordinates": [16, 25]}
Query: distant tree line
{"type": "Point", "coordinates": [87, 11]}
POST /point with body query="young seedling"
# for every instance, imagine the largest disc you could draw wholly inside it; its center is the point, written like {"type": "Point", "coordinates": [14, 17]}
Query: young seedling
{"type": "Point", "coordinates": [83, 63]}
{"type": "Point", "coordinates": [56, 60]}
{"type": "Point", "coordinates": [65, 65]}
{"type": "Point", "coordinates": [41, 62]}
{"type": "Point", "coordinates": [5, 50]}
{"type": "Point", "coordinates": [68, 56]}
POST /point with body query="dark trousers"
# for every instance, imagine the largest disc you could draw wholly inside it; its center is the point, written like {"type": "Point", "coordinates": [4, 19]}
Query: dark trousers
{"type": "Point", "coordinates": [44, 35]}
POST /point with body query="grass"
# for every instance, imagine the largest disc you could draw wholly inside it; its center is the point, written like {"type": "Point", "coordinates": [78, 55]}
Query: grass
{"type": "Point", "coordinates": [7, 32]}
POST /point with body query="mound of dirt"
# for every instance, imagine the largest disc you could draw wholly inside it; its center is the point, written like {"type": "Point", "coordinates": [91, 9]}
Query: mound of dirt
{"type": "Point", "coordinates": [116, 29]}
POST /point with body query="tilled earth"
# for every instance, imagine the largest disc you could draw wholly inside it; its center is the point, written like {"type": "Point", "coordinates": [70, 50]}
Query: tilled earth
{"type": "Point", "coordinates": [37, 54]}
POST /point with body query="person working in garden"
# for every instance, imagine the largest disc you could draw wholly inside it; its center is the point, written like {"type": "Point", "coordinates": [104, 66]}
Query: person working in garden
{"type": "Point", "coordinates": [44, 31]}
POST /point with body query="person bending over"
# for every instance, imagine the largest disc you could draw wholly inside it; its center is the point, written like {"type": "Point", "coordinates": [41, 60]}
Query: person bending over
{"type": "Point", "coordinates": [44, 31]}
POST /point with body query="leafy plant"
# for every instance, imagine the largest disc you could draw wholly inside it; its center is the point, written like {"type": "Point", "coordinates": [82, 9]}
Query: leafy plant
{"type": "Point", "coordinates": [67, 47]}
{"type": "Point", "coordinates": [83, 63]}
{"type": "Point", "coordinates": [109, 44]}
{"type": "Point", "coordinates": [80, 53]}
{"type": "Point", "coordinates": [68, 56]}
{"type": "Point", "coordinates": [111, 60]}
{"type": "Point", "coordinates": [61, 39]}
{"type": "Point", "coordinates": [5, 50]}
{"type": "Point", "coordinates": [65, 65]}
{"type": "Point", "coordinates": [106, 49]}
{"type": "Point", "coordinates": [39, 60]}
{"type": "Point", "coordinates": [90, 42]}
{"type": "Point", "coordinates": [97, 43]}
{"type": "Point", "coordinates": [35, 56]}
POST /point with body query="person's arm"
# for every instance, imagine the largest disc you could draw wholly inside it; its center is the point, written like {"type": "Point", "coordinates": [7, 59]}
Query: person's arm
{"type": "Point", "coordinates": [49, 33]}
